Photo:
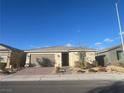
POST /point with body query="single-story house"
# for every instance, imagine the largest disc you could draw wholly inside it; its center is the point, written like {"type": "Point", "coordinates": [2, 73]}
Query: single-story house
{"type": "Point", "coordinates": [111, 55]}
{"type": "Point", "coordinates": [58, 55]}
{"type": "Point", "coordinates": [11, 56]}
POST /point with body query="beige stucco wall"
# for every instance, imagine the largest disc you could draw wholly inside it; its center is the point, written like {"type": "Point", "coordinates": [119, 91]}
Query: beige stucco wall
{"type": "Point", "coordinates": [74, 57]}
{"type": "Point", "coordinates": [57, 58]}
{"type": "Point", "coordinates": [7, 56]}
{"type": "Point", "coordinates": [90, 56]}
{"type": "Point", "coordinates": [12, 56]}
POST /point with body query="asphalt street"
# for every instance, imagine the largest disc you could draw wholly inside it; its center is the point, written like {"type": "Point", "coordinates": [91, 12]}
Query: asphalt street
{"type": "Point", "coordinates": [85, 86]}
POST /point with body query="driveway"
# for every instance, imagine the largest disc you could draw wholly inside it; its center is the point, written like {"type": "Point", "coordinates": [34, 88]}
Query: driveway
{"type": "Point", "coordinates": [2, 76]}
{"type": "Point", "coordinates": [36, 71]}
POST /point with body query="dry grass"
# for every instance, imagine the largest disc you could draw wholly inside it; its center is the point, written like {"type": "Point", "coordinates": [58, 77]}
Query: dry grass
{"type": "Point", "coordinates": [99, 69]}
{"type": "Point", "coordinates": [115, 68]}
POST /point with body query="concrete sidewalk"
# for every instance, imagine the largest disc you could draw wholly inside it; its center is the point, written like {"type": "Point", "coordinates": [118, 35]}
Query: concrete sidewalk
{"type": "Point", "coordinates": [91, 76]}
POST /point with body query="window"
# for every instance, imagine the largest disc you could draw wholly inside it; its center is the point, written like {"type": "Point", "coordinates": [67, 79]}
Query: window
{"type": "Point", "coordinates": [119, 55]}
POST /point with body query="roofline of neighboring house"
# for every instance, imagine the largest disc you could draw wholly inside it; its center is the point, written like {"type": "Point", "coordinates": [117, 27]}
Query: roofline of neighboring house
{"type": "Point", "coordinates": [83, 49]}
{"type": "Point", "coordinates": [109, 49]}
{"type": "Point", "coordinates": [10, 48]}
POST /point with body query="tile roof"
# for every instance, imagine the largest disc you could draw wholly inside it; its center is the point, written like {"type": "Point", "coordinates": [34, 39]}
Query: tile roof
{"type": "Point", "coordinates": [59, 49]}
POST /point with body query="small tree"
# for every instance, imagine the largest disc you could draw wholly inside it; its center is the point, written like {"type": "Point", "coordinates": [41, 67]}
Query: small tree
{"type": "Point", "coordinates": [1, 59]}
{"type": "Point", "coordinates": [17, 60]}
{"type": "Point", "coordinates": [2, 65]}
{"type": "Point", "coordinates": [82, 56]}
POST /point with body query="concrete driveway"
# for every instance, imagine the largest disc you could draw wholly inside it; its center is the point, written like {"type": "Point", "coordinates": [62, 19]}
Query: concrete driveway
{"type": "Point", "coordinates": [2, 76]}
{"type": "Point", "coordinates": [36, 71]}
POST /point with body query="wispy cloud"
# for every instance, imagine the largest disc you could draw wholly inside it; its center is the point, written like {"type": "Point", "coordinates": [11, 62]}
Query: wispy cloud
{"type": "Point", "coordinates": [33, 46]}
{"type": "Point", "coordinates": [102, 44]}
{"type": "Point", "coordinates": [68, 45]}
{"type": "Point", "coordinates": [108, 40]}
{"type": "Point", "coordinates": [122, 33]}
{"type": "Point", "coordinates": [98, 44]}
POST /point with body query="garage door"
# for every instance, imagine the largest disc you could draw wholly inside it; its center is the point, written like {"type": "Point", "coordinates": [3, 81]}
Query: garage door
{"type": "Point", "coordinates": [43, 60]}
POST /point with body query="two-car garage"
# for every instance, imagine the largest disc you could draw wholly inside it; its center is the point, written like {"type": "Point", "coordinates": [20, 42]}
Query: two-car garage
{"type": "Point", "coordinates": [42, 60]}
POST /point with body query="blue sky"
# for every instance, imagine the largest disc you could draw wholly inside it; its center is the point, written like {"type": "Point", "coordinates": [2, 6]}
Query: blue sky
{"type": "Point", "coordinates": [28, 24]}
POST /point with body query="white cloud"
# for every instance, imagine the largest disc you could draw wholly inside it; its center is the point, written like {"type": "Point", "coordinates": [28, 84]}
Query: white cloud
{"type": "Point", "coordinates": [122, 33]}
{"type": "Point", "coordinates": [68, 45]}
{"type": "Point", "coordinates": [34, 46]}
{"type": "Point", "coordinates": [98, 44]}
{"type": "Point", "coordinates": [108, 40]}
{"type": "Point", "coordinates": [100, 48]}
{"type": "Point", "coordinates": [117, 37]}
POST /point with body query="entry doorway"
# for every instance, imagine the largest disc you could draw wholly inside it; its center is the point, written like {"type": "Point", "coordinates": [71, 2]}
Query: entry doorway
{"type": "Point", "coordinates": [100, 60]}
{"type": "Point", "coordinates": [65, 59]}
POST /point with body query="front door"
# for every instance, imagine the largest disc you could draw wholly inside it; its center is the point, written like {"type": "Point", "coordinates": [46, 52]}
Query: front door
{"type": "Point", "coordinates": [100, 60]}
{"type": "Point", "coordinates": [65, 59]}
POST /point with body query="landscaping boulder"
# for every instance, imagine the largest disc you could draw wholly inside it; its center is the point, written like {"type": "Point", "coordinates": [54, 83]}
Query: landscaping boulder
{"type": "Point", "coordinates": [102, 69]}
{"type": "Point", "coordinates": [92, 70]}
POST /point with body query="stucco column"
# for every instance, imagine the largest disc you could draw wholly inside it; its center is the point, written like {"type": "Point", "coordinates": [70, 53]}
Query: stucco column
{"type": "Point", "coordinates": [27, 63]}
{"type": "Point", "coordinates": [8, 62]}
{"type": "Point", "coordinates": [58, 60]}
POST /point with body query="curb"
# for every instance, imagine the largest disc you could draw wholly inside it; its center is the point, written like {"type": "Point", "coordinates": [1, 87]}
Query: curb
{"type": "Point", "coordinates": [113, 77]}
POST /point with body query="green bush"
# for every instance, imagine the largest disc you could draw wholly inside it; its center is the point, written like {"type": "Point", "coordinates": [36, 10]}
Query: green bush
{"type": "Point", "coordinates": [2, 66]}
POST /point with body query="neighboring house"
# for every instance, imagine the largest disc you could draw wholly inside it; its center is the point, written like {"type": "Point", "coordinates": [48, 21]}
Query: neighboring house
{"type": "Point", "coordinates": [58, 56]}
{"type": "Point", "coordinates": [111, 55]}
{"type": "Point", "coordinates": [10, 55]}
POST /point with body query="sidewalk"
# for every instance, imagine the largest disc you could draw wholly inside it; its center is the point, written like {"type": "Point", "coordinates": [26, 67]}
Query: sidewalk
{"type": "Point", "coordinates": [91, 76]}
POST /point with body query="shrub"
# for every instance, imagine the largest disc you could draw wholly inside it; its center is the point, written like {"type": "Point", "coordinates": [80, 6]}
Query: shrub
{"type": "Point", "coordinates": [92, 70]}
{"type": "Point", "coordinates": [2, 66]}
{"type": "Point", "coordinates": [32, 65]}
{"type": "Point", "coordinates": [57, 69]}
{"type": "Point", "coordinates": [77, 64]}
{"type": "Point", "coordinates": [85, 65]}
{"type": "Point", "coordinates": [88, 65]}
